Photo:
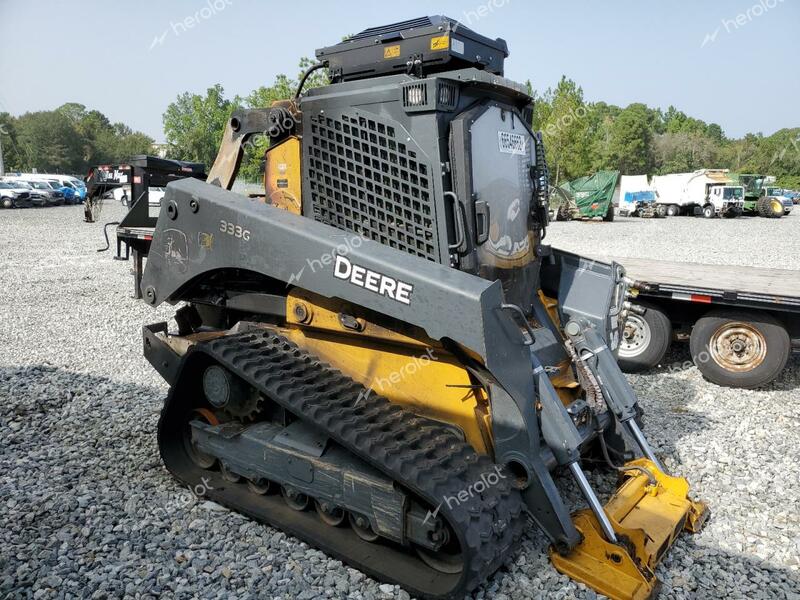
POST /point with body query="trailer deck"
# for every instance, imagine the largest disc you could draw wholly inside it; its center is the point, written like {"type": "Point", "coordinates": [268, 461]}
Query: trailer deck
{"type": "Point", "coordinates": [715, 284]}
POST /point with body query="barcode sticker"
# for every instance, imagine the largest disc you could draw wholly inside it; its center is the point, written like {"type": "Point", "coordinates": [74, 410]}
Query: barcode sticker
{"type": "Point", "coordinates": [512, 143]}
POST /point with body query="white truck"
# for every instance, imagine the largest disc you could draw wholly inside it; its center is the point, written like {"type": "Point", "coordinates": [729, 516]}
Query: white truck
{"type": "Point", "coordinates": [707, 192]}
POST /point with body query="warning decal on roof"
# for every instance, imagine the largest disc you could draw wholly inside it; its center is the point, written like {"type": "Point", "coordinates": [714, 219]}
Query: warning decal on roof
{"type": "Point", "coordinates": [441, 42]}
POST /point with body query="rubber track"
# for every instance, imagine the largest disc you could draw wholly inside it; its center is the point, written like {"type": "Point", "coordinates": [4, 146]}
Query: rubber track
{"type": "Point", "coordinates": [422, 457]}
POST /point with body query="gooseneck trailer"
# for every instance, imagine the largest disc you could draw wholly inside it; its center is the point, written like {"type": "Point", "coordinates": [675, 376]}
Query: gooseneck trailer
{"type": "Point", "coordinates": [742, 323]}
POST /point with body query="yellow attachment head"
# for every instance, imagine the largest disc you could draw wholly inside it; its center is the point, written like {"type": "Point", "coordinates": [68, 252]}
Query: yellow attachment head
{"type": "Point", "coordinates": [647, 512]}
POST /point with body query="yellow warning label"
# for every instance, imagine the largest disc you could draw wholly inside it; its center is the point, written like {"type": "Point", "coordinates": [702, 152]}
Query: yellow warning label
{"type": "Point", "coordinates": [391, 51]}
{"type": "Point", "coordinates": [441, 42]}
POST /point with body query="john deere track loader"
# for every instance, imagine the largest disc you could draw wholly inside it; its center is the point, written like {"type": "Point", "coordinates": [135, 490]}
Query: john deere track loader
{"type": "Point", "coordinates": [380, 356]}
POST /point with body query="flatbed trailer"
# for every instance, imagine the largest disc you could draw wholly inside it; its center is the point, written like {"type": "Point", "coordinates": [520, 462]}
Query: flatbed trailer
{"type": "Point", "coordinates": [742, 323]}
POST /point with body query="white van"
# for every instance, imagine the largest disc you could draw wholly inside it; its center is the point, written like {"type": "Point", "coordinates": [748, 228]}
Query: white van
{"type": "Point", "coordinates": [63, 179]}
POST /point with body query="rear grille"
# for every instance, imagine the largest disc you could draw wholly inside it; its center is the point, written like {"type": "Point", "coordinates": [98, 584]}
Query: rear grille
{"type": "Point", "coordinates": [448, 96]}
{"type": "Point", "coordinates": [429, 95]}
{"type": "Point", "coordinates": [363, 179]}
{"type": "Point", "coordinates": [415, 94]}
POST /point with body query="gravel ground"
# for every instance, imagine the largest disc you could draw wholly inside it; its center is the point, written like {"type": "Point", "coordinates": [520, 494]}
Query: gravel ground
{"type": "Point", "coordinates": [87, 509]}
{"type": "Point", "coordinates": [745, 241]}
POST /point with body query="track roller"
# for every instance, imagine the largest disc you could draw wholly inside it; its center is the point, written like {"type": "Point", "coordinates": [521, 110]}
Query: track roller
{"type": "Point", "coordinates": [227, 474]}
{"type": "Point", "coordinates": [330, 514]}
{"type": "Point", "coordinates": [295, 499]}
{"type": "Point", "coordinates": [259, 486]}
{"type": "Point", "coordinates": [363, 527]}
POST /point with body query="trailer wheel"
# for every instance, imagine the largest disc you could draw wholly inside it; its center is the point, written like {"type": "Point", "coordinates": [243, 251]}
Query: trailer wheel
{"type": "Point", "coordinates": [609, 216]}
{"type": "Point", "coordinates": [735, 348]}
{"type": "Point", "coordinates": [709, 212]}
{"type": "Point", "coordinates": [673, 210]}
{"type": "Point", "coordinates": [645, 339]}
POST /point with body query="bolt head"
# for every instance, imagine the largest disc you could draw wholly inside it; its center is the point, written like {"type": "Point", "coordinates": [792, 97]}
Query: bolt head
{"type": "Point", "coordinates": [301, 312]}
{"type": "Point", "coordinates": [572, 328]}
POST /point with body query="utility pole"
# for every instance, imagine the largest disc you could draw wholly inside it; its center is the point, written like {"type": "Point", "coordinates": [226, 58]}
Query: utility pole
{"type": "Point", "coordinates": [2, 167]}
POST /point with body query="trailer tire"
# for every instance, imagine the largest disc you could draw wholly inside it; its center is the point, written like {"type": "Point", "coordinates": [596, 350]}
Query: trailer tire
{"type": "Point", "coordinates": [646, 339]}
{"type": "Point", "coordinates": [673, 210]}
{"type": "Point", "coordinates": [737, 348]}
{"type": "Point", "coordinates": [609, 216]}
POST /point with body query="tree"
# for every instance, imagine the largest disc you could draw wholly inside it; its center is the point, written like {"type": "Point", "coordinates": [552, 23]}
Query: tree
{"type": "Point", "coordinates": [562, 116]}
{"type": "Point", "coordinates": [100, 140]}
{"type": "Point", "coordinates": [131, 145]}
{"type": "Point", "coordinates": [49, 142]}
{"type": "Point", "coordinates": [630, 145]}
{"type": "Point", "coordinates": [12, 161]}
{"type": "Point", "coordinates": [193, 124]}
{"type": "Point", "coordinates": [73, 111]}
{"type": "Point", "coordinates": [683, 152]}
{"type": "Point", "coordinates": [601, 118]}
{"type": "Point", "coordinates": [284, 88]}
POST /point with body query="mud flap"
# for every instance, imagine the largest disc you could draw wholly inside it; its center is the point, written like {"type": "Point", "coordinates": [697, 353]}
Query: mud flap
{"type": "Point", "coordinates": [648, 512]}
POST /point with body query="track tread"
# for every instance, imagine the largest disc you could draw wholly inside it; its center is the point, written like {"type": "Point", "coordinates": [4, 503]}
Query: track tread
{"type": "Point", "coordinates": [423, 457]}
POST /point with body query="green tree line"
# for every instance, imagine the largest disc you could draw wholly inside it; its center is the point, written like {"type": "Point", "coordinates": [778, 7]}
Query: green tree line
{"type": "Point", "coordinates": [69, 139]}
{"type": "Point", "coordinates": [583, 137]}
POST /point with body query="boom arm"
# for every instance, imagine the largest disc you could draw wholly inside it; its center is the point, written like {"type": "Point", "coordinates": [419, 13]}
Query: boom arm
{"type": "Point", "coordinates": [272, 122]}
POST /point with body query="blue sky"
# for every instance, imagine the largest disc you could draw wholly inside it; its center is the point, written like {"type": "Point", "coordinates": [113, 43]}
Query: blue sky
{"type": "Point", "coordinates": [733, 62]}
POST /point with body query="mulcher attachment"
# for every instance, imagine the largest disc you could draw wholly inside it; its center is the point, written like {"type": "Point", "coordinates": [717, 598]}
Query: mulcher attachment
{"type": "Point", "coordinates": [647, 512]}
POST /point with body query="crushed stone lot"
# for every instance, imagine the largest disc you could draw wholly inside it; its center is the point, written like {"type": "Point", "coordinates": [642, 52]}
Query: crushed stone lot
{"type": "Point", "coordinates": [88, 510]}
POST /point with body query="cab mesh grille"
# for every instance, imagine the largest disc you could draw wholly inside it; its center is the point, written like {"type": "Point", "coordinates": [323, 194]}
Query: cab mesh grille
{"type": "Point", "coordinates": [363, 179]}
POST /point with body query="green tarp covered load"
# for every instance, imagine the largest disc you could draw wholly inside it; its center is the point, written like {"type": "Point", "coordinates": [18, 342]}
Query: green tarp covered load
{"type": "Point", "coordinates": [592, 194]}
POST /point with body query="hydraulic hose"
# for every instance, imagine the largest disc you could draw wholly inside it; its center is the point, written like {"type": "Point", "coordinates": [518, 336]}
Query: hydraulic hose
{"type": "Point", "coordinates": [607, 458]}
{"type": "Point", "coordinates": [105, 233]}
{"type": "Point", "coordinates": [306, 75]}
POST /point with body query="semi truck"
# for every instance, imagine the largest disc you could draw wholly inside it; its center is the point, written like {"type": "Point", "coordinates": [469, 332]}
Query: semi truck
{"type": "Point", "coordinates": [706, 192]}
{"type": "Point", "coordinates": [742, 325]}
